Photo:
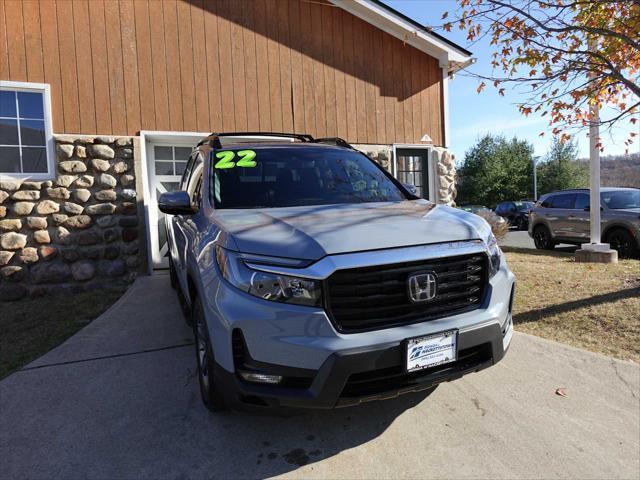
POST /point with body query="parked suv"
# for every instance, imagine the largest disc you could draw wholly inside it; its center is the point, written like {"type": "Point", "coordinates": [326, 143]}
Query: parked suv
{"type": "Point", "coordinates": [564, 217]}
{"type": "Point", "coordinates": [313, 278]}
{"type": "Point", "coordinates": [516, 213]}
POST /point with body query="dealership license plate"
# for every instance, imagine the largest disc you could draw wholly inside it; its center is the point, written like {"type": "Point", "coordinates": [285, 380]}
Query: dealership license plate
{"type": "Point", "coordinates": [432, 350]}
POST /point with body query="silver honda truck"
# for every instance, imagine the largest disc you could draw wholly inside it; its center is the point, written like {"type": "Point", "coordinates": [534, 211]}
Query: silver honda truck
{"type": "Point", "coordinates": [314, 279]}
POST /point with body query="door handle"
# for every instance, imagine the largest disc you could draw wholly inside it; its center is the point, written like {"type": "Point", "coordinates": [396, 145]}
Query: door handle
{"type": "Point", "coordinates": [572, 216]}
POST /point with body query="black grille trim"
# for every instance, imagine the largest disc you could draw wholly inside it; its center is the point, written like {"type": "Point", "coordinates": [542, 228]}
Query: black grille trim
{"type": "Point", "coordinates": [375, 382]}
{"type": "Point", "coordinates": [373, 298]}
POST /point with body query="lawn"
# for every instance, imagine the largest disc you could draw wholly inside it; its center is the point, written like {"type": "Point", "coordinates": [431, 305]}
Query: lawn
{"type": "Point", "coordinates": [591, 306]}
{"type": "Point", "coordinates": [32, 327]}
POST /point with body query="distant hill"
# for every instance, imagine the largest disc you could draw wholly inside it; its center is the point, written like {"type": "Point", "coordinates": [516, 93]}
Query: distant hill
{"type": "Point", "coordinates": [619, 170]}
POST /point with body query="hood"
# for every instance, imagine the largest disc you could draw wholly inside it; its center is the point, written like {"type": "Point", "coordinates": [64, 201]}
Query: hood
{"type": "Point", "coordinates": [312, 232]}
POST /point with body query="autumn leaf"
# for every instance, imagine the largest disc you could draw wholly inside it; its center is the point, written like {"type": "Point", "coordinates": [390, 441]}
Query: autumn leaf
{"type": "Point", "coordinates": [480, 87]}
{"type": "Point", "coordinates": [445, 15]}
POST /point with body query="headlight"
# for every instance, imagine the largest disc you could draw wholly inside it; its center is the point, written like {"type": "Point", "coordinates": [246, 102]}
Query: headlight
{"type": "Point", "coordinates": [495, 255]}
{"type": "Point", "coordinates": [268, 286]}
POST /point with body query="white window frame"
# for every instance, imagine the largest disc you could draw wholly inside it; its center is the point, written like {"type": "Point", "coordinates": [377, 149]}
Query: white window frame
{"type": "Point", "coordinates": [430, 166]}
{"type": "Point", "coordinates": [48, 129]}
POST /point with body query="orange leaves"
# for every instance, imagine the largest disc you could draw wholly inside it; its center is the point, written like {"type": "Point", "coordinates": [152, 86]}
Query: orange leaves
{"type": "Point", "coordinates": [543, 44]}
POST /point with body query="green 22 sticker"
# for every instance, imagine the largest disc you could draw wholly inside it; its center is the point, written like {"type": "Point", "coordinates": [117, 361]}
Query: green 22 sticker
{"type": "Point", "coordinates": [226, 159]}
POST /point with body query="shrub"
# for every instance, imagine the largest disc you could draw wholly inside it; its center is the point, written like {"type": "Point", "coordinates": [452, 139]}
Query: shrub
{"type": "Point", "coordinates": [499, 226]}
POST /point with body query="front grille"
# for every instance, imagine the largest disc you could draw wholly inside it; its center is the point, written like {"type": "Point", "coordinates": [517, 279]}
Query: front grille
{"type": "Point", "coordinates": [390, 379]}
{"type": "Point", "coordinates": [370, 298]}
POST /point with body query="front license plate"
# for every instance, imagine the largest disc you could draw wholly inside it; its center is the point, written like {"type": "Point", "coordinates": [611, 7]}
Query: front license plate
{"type": "Point", "coordinates": [432, 350]}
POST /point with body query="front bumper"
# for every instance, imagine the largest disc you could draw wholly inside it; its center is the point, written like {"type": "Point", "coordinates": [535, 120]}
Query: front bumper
{"type": "Point", "coordinates": [360, 375]}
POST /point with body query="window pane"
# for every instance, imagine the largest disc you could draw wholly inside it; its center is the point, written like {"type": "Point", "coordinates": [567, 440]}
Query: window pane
{"type": "Point", "coordinates": [163, 153]}
{"type": "Point", "coordinates": [9, 160]}
{"type": "Point", "coordinates": [8, 132]}
{"type": "Point", "coordinates": [7, 104]}
{"type": "Point", "coordinates": [34, 160]}
{"type": "Point", "coordinates": [30, 105]}
{"type": "Point", "coordinates": [180, 166]}
{"type": "Point", "coordinates": [32, 132]}
{"type": "Point", "coordinates": [182, 153]}
{"type": "Point", "coordinates": [564, 201]}
{"type": "Point", "coordinates": [164, 168]}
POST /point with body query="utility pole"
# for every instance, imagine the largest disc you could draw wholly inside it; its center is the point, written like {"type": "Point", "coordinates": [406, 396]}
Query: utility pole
{"type": "Point", "coordinates": [535, 178]}
{"type": "Point", "coordinates": [596, 251]}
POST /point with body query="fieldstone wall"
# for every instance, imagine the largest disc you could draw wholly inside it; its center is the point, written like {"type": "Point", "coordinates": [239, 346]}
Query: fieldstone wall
{"type": "Point", "coordinates": [445, 165]}
{"type": "Point", "coordinates": [76, 232]}
{"type": "Point", "coordinates": [380, 153]}
{"type": "Point", "coordinates": [443, 161]}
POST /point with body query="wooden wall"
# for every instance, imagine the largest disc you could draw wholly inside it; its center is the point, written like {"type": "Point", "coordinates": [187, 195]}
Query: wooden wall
{"type": "Point", "coordinates": [121, 66]}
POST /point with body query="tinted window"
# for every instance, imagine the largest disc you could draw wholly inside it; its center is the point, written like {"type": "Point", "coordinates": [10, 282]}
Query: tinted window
{"type": "Point", "coordinates": [621, 199]}
{"type": "Point", "coordinates": [502, 208]}
{"type": "Point", "coordinates": [292, 176]}
{"type": "Point", "coordinates": [565, 200]}
{"type": "Point", "coordinates": [582, 201]}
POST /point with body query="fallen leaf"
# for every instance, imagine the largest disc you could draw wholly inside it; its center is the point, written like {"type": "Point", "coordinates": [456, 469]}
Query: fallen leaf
{"type": "Point", "coordinates": [561, 392]}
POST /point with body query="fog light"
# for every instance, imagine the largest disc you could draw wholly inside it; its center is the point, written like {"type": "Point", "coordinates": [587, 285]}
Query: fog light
{"type": "Point", "coordinates": [260, 377]}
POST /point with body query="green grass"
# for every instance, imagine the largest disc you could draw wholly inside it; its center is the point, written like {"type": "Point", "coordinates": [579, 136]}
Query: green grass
{"type": "Point", "coordinates": [591, 306]}
{"type": "Point", "coordinates": [31, 327]}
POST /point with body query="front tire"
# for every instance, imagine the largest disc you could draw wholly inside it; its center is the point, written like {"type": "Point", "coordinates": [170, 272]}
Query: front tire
{"type": "Point", "coordinates": [211, 396]}
{"type": "Point", "coordinates": [520, 225]}
{"type": "Point", "coordinates": [542, 238]}
{"type": "Point", "coordinates": [622, 241]}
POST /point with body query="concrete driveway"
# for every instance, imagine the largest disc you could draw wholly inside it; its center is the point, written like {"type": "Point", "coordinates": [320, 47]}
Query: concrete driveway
{"type": "Point", "coordinates": [120, 400]}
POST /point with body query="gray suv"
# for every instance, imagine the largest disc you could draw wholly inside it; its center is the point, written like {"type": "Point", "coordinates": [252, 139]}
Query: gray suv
{"type": "Point", "coordinates": [314, 279]}
{"type": "Point", "coordinates": [563, 217]}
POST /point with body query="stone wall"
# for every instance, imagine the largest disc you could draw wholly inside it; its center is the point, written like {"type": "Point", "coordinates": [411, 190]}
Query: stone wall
{"type": "Point", "coordinates": [445, 164]}
{"type": "Point", "coordinates": [76, 232]}
{"type": "Point", "coordinates": [380, 153]}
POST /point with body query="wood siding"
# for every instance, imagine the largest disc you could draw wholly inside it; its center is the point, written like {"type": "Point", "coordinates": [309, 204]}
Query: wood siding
{"type": "Point", "coordinates": [121, 66]}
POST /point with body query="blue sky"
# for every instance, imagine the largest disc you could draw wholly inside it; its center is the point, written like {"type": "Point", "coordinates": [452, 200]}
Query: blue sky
{"type": "Point", "coordinates": [473, 114]}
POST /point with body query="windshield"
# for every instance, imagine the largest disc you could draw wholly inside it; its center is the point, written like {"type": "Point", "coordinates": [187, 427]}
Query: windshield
{"type": "Point", "coordinates": [294, 176]}
{"type": "Point", "coordinates": [621, 199]}
{"type": "Point", "coordinates": [523, 206]}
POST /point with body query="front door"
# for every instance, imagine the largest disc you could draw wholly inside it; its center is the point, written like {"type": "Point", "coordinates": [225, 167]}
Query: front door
{"type": "Point", "coordinates": [412, 167]}
{"type": "Point", "coordinates": [166, 161]}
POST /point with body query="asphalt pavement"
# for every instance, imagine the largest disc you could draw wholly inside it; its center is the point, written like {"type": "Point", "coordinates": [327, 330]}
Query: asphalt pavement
{"type": "Point", "coordinates": [520, 239]}
{"type": "Point", "coordinates": [119, 400]}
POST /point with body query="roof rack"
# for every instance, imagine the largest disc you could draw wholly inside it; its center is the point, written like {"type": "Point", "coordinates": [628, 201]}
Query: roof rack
{"type": "Point", "coordinates": [334, 141]}
{"type": "Point", "coordinates": [214, 138]}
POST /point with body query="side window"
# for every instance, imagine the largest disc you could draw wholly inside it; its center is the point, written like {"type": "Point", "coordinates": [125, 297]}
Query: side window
{"type": "Point", "coordinates": [546, 203]}
{"type": "Point", "coordinates": [500, 208]}
{"type": "Point", "coordinates": [582, 201]}
{"type": "Point", "coordinates": [566, 200]}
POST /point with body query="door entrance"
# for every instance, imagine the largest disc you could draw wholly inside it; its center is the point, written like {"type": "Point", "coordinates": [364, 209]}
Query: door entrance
{"type": "Point", "coordinates": [412, 165]}
{"type": "Point", "coordinates": [166, 155]}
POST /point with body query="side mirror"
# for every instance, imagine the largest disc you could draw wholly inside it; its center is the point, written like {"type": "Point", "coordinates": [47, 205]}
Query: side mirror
{"type": "Point", "coordinates": [176, 203]}
{"type": "Point", "coordinates": [411, 188]}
